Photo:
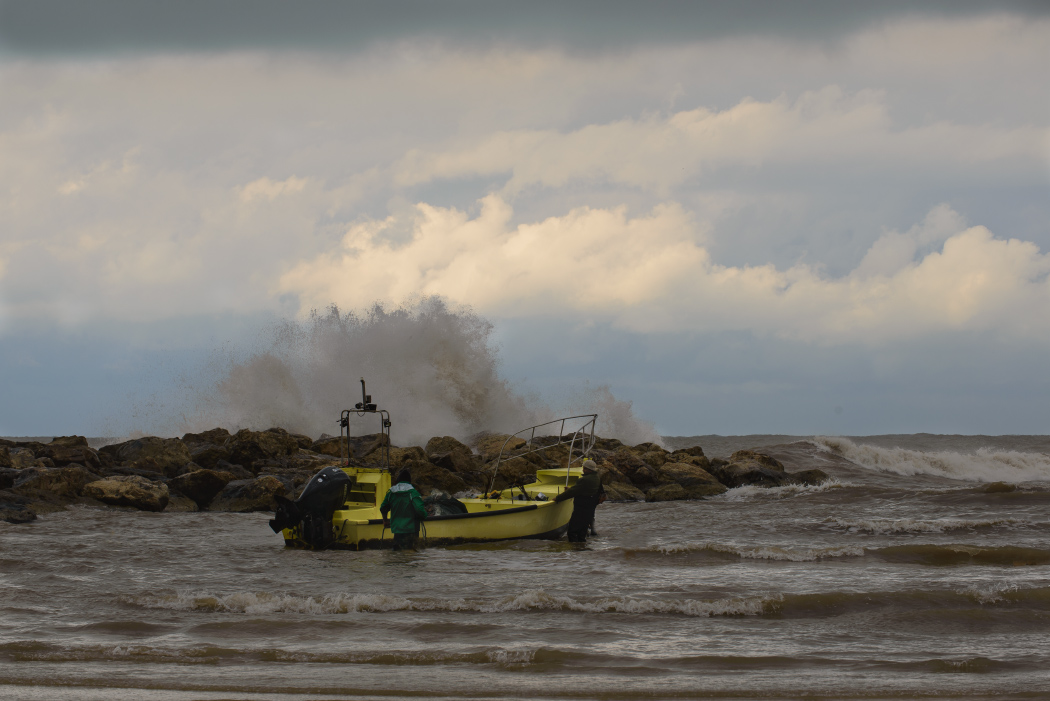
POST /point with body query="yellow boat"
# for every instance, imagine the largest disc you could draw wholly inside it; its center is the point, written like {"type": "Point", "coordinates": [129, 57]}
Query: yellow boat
{"type": "Point", "coordinates": [339, 506]}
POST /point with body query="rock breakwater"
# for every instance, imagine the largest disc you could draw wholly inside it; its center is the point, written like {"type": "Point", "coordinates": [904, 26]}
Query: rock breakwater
{"type": "Point", "coordinates": [241, 472]}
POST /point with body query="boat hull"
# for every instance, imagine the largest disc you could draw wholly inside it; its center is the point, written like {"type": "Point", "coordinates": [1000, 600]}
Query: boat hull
{"type": "Point", "coordinates": [486, 520]}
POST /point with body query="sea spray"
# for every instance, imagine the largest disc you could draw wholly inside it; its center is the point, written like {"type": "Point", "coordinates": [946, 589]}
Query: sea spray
{"type": "Point", "coordinates": [433, 366]}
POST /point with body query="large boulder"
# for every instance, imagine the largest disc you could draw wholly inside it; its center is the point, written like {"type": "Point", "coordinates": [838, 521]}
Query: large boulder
{"type": "Point", "coordinates": [5, 457]}
{"type": "Point", "coordinates": [328, 445]}
{"type": "Point", "coordinates": [163, 455]}
{"type": "Point", "coordinates": [62, 482]}
{"type": "Point", "coordinates": [201, 485]}
{"type": "Point", "coordinates": [621, 491]}
{"type": "Point", "coordinates": [368, 445]}
{"type": "Point", "coordinates": [445, 444]}
{"type": "Point", "coordinates": [449, 453]}
{"type": "Point", "coordinates": [490, 445]}
{"type": "Point", "coordinates": [655, 458]}
{"type": "Point", "coordinates": [749, 467]}
{"type": "Point", "coordinates": [428, 477]}
{"type": "Point", "coordinates": [303, 441]}
{"type": "Point", "coordinates": [458, 462]}
{"type": "Point", "coordinates": [180, 503]}
{"type": "Point", "coordinates": [667, 492]}
{"type": "Point", "coordinates": [691, 456]}
{"type": "Point", "coordinates": [216, 436]}
{"type": "Point", "coordinates": [242, 496]}
{"type": "Point", "coordinates": [14, 508]}
{"type": "Point", "coordinates": [237, 472]}
{"type": "Point", "coordinates": [254, 449]}
{"type": "Point", "coordinates": [750, 473]}
{"type": "Point", "coordinates": [624, 461]}
{"type": "Point", "coordinates": [517, 471]}
{"type": "Point", "coordinates": [747, 457]}
{"type": "Point", "coordinates": [610, 444]}
{"type": "Point", "coordinates": [696, 481]}
{"type": "Point", "coordinates": [402, 456]}
{"type": "Point", "coordinates": [359, 447]}
{"type": "Point", "coordinates": [810, 478]}
{"type": "Point", "coordinates": [22, 458]}
{"type": "Point", "coordinates": [130, 490]}
{"type": "Point", "coordinates": [209, 455]}
{"type": "Point", "coordinates": [67, 450]}
{"type": "Point", "coordinates": [151, 475]}
{"type": "Point", "coordinates": [8, 475]}
{"type": "Point", "coordinates": [609, 474]}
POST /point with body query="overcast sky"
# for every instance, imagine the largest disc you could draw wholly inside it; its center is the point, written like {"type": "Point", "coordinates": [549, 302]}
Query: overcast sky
{"type": "Point", "coordinates": [752, 217]}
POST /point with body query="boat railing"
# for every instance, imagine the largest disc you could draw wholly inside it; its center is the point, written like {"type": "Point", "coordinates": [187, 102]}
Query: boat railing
{"type": "Point", "coordinates": [581, 439]}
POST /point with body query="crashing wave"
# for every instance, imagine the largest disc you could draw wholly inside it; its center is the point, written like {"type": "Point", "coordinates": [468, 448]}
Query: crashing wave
{"type": "Point", "coordinates": [750, 492]}
{"type": "Point", "coordinates": [983, 465]}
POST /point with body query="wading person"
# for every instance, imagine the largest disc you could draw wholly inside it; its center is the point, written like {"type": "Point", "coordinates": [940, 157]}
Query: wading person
{"type": "Point", "coordinates": [406, 510]}
{"type": "Point", "coordinates": [586, 494]}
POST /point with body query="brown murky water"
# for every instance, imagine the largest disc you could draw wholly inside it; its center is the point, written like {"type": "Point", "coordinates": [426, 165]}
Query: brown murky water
{"type": "Point", "coordinates": [903, 578]}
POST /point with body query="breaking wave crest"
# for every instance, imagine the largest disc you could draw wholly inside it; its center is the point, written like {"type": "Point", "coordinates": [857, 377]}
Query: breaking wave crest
{"type": "Point", "coordinates": [210, 654]}
{"type": "Point", "coordinates": [983, 465]}
{"type": "Point", "coordinates": [750, 492]}
{"type": "Point", "coordinates": [760, 552]}
{"type": "Point", "coordinates": [887, 526]}
{"type": "Point", "coordinates": [814, 605]}
{"type": "Point", "coordinates": [937, 555]}
{"type": "Point", "coordinates": [258, 603]}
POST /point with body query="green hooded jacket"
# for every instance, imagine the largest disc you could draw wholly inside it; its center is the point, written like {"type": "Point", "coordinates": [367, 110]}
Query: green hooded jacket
{"type": "Point", "coordinates": [405, 507]}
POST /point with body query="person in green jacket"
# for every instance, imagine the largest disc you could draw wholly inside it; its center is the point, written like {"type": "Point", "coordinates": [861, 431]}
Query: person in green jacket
{"type": "Point", "coordinates": [586, 495]}
{"type": "Point", "coordinates": [406, 510]}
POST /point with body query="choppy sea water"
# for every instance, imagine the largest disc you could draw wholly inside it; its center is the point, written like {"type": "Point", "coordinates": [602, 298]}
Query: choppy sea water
{"type": "Point", "coordinates": [904, 577]}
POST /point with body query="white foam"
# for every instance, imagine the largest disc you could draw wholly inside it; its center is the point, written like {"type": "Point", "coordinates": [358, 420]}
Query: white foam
{"type": "Point", "coordinates": [885, 526]}
{"type": "Point", "coordinates": [511, 657]}
{"type": "Point", "coordinates": [989, 592]}
{"type": "Point", "coordinates": [766, 552]}
{"type": "Point", "coordinates": [258, 603]}
{"type": "Point", "coordinates": [983, 465]}
{"type": "Point", "coordinates": [750, 492]}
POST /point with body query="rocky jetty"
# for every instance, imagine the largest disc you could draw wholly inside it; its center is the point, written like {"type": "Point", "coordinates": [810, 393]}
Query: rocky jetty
{"type": "Point", "coordinates": [244, 471]}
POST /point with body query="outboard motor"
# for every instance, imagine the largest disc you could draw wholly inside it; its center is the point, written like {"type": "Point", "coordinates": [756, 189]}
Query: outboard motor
{"type": "Point", "coordinates": [322, 495]}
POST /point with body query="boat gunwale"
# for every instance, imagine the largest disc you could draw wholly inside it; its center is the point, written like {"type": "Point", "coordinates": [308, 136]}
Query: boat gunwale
{"type": "Point", "coordinates": [475, 514]}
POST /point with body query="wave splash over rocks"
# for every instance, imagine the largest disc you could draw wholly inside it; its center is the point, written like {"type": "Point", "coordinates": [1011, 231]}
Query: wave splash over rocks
{"type": "Point", "coordinates": [434, 367]}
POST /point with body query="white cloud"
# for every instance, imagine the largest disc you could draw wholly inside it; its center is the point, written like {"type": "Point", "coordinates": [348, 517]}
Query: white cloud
{"type": "Point", "coordinates": [650, 273]}
{"type": "Point", "coordinates": [175, 185]}
{"type": "Point", "coordinates": [265, 188]}
{"type": "Point", "coordinates": [826, 127]}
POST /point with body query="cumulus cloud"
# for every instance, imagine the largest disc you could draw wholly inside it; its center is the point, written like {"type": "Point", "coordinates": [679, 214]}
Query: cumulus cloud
{"type": "Point", "coordinates": [652, 273]}
{"type": "Point", "coordinates": [180, 184]}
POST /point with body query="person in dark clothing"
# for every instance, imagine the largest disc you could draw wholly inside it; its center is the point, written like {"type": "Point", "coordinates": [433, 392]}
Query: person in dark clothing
{"type": "Point", "coordinates": [585, 494]}
{"type": "Point", "coordinates": [406, 510]}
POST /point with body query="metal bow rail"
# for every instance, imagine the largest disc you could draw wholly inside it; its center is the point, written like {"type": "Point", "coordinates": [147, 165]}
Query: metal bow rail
{"type": "Point", "coordinates": [582, 438]}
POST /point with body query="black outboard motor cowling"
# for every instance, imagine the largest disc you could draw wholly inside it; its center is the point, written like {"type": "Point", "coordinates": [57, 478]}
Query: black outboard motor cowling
{"type": "Point", "coordinates": [322, 495]}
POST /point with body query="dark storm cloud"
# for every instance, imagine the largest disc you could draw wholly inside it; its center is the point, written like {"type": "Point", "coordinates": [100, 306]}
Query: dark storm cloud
{"type": "Point", "coordinates": [77, 27]}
